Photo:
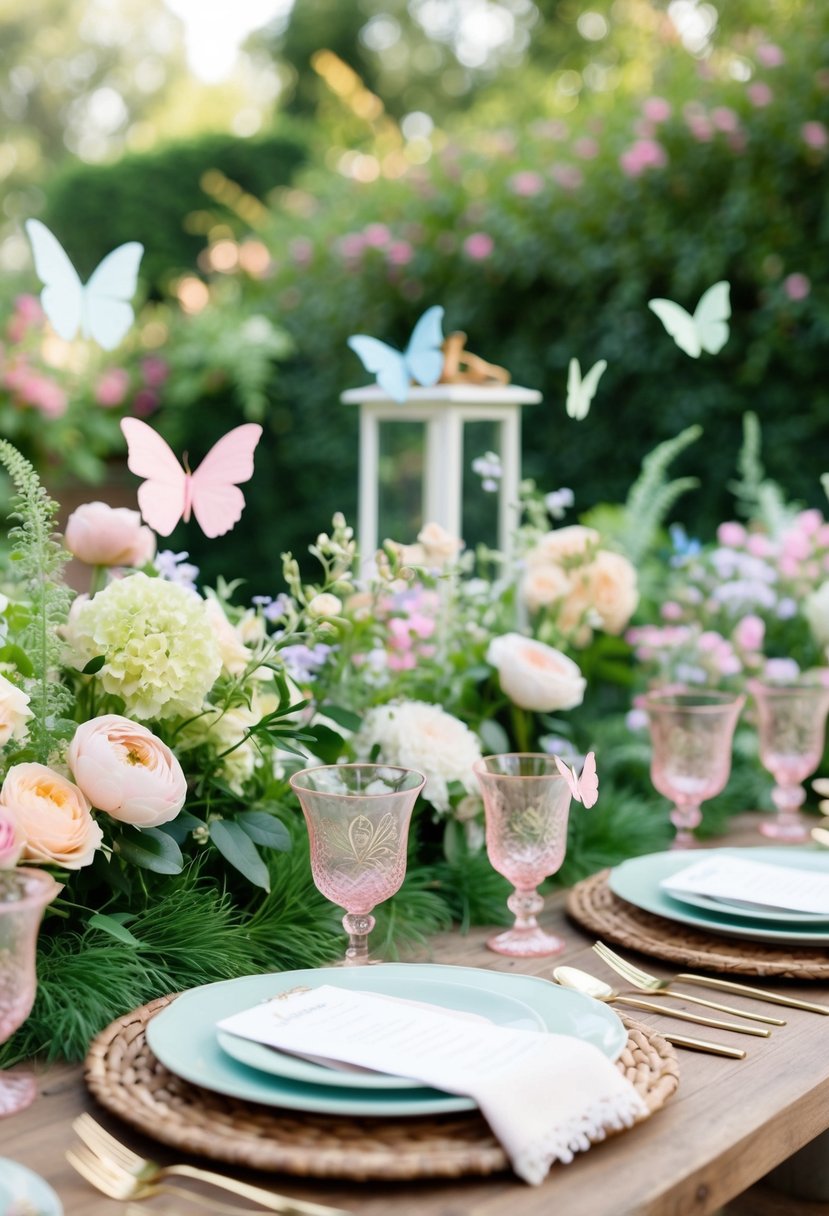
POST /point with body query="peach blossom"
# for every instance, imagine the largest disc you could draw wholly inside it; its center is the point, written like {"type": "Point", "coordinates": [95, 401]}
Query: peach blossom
{"type": "Point", "coordinates": [574, 541]}
{"type": "Point", "coordinates": [52, 815]}
{"type": "Point", "coordinates": [439, 546]}
{"type": "Point", "coordinates": [612, 590]}
{"type": "Point", "coordinates": [544, 585]}
{"type": "Point", "coordinates": [101, 535]}
{"type": "Point", "coordinates": [535, 676]}
{"type": "Point", "coordinates": [123, 769]}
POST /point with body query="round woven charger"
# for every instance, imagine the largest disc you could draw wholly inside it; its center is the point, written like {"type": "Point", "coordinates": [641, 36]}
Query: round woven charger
{"type": "Point", "coordinates": [592, 904]}
{"type": "Point", "coordinates": [129, 1081]}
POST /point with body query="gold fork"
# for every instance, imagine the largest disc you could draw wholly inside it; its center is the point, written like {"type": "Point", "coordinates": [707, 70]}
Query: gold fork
{"type": "Point", "coordinates": [651, 983]}
{"type": "Point", "coordinates": [118, 1185]}
{"type": "Point", "coordinates": [120, 1160]}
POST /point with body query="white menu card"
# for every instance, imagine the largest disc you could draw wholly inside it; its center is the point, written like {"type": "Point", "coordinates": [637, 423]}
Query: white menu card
{"type": "Point", "coordinates": [756, 884]}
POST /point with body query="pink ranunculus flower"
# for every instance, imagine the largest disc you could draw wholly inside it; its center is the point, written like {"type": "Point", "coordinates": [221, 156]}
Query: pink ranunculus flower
{"type": "Point", "coordinates": [535, 676]}
{"type": "Point", "coordinates": [101, 535]}
{"type": "Point", "coordinates": [52, 815]}
{"type": "Point", "coordinates": [124, 770]}
{"type": "Point", "coordinates": [814, 135]}
{"type": "Point", "coordinates": [11, 842]}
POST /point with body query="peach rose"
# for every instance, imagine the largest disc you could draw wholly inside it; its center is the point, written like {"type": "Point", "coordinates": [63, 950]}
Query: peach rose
{"type": "Point", "coordinates": [612, 589]}
{"type": "Point", "coordinates": [544, 585]}
{"type": "Point", "coordinates": [123, 769]}
{"type": "Point", "coordinates": [439, 546]}
{"type": "Point", "coordinates": [564, 544]}
{"type": "Point", "coordinates": [234, 654]}
{"type": "Point", "coordinates": [535, 676]}
{"type": "Point", "coordinates": [14, 711]}
{"type": "Point", "coordinates": [52, 815]}
{"type": "Point", "coordinates": [11, 842]}
{"type": "Point", "coordinates": [101, 535]}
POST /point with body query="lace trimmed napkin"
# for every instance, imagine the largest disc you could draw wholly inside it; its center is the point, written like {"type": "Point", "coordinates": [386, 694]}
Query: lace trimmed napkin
{"type": "Point", "coordinates": [545, 1096]}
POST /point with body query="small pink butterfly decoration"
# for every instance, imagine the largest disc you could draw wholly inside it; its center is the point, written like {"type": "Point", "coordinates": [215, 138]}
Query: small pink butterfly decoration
{"type": "Point", "coordinates": [170, 492]}
{"type": "Point", "coordinates": [585, 789]}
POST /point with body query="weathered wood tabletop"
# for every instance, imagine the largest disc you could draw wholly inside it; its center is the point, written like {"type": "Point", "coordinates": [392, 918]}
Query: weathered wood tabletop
{"type": "Point", "coordinates": [729, 1123]}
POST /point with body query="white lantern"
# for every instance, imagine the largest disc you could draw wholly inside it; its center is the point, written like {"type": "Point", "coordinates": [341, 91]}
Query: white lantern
{"type": "Point", "coordinates": [443, 410]}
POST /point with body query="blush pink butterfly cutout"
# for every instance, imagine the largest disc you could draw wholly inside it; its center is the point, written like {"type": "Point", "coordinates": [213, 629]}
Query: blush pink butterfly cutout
{"type": "Point", "coordinates": [585, 789]}
{"type": "Point", "coordinates": [170, 493]}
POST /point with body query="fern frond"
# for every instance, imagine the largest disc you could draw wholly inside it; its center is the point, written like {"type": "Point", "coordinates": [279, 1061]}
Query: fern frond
{"type": "Point", "coordinates": [758, 497]}
{"type": "Point", "coordinates": [651, 496]}
{"type": "Point", "coordinates": [38, 560]}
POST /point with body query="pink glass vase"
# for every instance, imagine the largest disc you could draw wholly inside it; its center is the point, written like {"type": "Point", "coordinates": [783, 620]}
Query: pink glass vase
{"type": "Point", "coordinates": [691, 734]}
{"type": "Point", "coordinates": [526, 804]}
{"type": "Point", "coordinates": [791, 719]}
{"type": "Point", "coordinates": [24, 894]}
{"type": "Point", "coordinates": [358, 825]}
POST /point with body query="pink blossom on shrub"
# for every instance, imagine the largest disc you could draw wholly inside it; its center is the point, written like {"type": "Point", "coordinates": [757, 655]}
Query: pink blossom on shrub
{"type": "Point", "coordinates": [553, 128]}
{"type": "Point", "coordinates": [302, 250]}
{"type": "Point", "coordinates": [399, 253]}
{"type": "Point", "coordinates": [809, 522]}
{"type": "Point", "coordinates": [770, 55]}
{"type": "Point", "coordinates": [376, 236]}
{"type": "Point", "coordinates": [27, 313]}
{"type": "Point", "coordinates": [569, 177]}
{"type": "Point", "coordinates": [144, 402]}
{"type": "Point", "coordinates": [642, 155]}
{"type": "Point", "coordinates": [478, 246]}
{"type": "Point", "coordinates": [759, 94]}
{"type": "Point", "coordinates": [351, 245]}
{"type": "Point", "coordinates": [155, 370]}
{"type": "Point", "coordinates": [737, 141]}
{"type": "Point", "coordinates": [657, 109]}
{"type": "Point", "coordinates": [644, 129]}
{"type": "Point", "coordinates": [759, 545]}
{"type": "Point", "coordinates": [586, 148]}
{"type": "Point", "coordinates": [671, 611]}
{"type": "Point", "coordinates": [35, 389]}
{"type": "Point", "coordinates": [526, 183]}
{"type": "Point", "coordinates": [725, 119]}
{"type": "Point", "coordinates": [750, 632]}
{"type": "Point", "coordinates": [814, 135]}
{"type": "Point", "coordinates": [731, 534]}
{"type": "Point", "coordinates": [797, 286]}
{"type": "Point", "coordinates": [112, 386]}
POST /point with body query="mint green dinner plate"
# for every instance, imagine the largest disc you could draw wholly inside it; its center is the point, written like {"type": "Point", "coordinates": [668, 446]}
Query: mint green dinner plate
{"type": "Point", "coordinates": [22, 1191]}
{"type": "Point", "coordinates": [638, 879]}
{"type": "Point", "coordinates": [184, 1037]}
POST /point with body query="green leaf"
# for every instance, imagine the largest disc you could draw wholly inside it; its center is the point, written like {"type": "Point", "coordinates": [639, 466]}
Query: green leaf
{"type": "Point", "coordinates": [94, 665]}
{"type": "Point", "coordinates": [10, 653]}
{"type": "Point", "coordinates": [265, 829]}
{"type": "Point", "coordinates": [181, 827]}
{"type": "Point", "coordinates": [113, 926]}
{"type": "Point", "coordinates": [343, 717]}
{"type": "Point", "coordinates": [236, 846]}
{"type": "Point", "coordinates": [493, 736]}
{"type": "Point", "coordinates": [151, 849]}
{"type": "Point", "coordinates": [325, 743]}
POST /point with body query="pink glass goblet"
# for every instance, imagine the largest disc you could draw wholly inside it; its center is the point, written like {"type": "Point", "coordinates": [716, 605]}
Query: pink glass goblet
{"type": "Point", "coordinates": [526, 805]}
{"type": "Point", "coordinates": [691, 734]}
{"type": "Point", "coordinates": [791, 717]}
{"type": "Point", "coordinates": [23, 896]}
{"type": "Point", "coordinates": [358, 825]}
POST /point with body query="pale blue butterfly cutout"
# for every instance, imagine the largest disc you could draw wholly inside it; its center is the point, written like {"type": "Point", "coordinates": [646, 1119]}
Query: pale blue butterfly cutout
{"type": "Point", "coordinates": [100, 308]}
{"type": "Point", "coordinates": [421, 361]}
{"type": "Point", "coordinates": [581, 391]}
{"type": "Point", "coordinates": [707, 330]}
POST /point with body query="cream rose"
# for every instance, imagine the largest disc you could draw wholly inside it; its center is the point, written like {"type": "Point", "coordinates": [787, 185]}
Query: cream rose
{"type": "Point", "coordinates": [544, 585]}
{"type": "Point", "coordinates": [439, 546]}
{"type": "Point", "coordinates": [52, 815]}
{"type": "Point", "coordinates": [14, 711]}
{"type": "Point", "coordinates": [325, 605]}
{"type": "Point", "coordinates": [11, 842]}
{"type": "Point", "coordinates": [123, 769]}
{"type": "Point", "coordinates": [101, 535]}
{"type": "Point", "coordinates": [563, 544]}
{"type": "Point", "coordinates": [612, 589]}
{"type": "Point", "coordinates": [535, 676]}
{"type": "Point", "coordinates": [234, 654]}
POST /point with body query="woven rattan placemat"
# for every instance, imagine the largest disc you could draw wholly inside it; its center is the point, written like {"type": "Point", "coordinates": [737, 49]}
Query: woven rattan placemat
{"type": "Point", "coordinates": [592, 904]}
{"type": "Point", "coordinates": [129, 1081]}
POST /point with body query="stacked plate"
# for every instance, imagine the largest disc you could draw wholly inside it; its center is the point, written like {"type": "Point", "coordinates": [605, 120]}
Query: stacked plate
{"type": "Point", "coordinates": [638, 882]}
{"type": "Point", "coordinates": [185, 1039]}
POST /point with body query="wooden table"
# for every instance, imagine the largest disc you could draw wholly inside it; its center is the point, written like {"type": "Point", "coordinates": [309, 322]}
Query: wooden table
{"type": "Point", "coordinates": [727, 1126]}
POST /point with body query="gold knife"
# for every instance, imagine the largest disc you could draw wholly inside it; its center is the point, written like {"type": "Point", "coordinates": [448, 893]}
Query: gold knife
{"type": "Point", "coordinates": [715, 1049]}
{"type": "Point", "coordinates": [773, 997]}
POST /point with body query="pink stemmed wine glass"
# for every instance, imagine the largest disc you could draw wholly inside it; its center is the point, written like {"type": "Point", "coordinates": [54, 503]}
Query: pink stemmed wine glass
{"type": "Point", "coordinates": [791, 718]}
{"type": "Point", "coordinates": [24, 894]}
{"type": "Point", "coordinates": [691, 733]}
{"type": "Point", "coordinates": [526, 805]}
{"type": "Point", "coordinates": [358, 825]}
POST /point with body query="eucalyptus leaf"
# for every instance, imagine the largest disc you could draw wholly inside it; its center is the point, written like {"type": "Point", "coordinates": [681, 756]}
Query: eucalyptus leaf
{"type": "Point", "coordinates": [114, 927]}
{"type": "Point", "coordinates": [181, 827]}
{"type": "Point", "coordinates": [325, 743]}
{"type": "Point", "coordinates": [265, 829]}
{"type": "Point", "coordinates": [151, 849]}
{"type": "Point", "coordinates": [236, 846]}
{"type": "Point", "coordinates": [343, 717]}
{"type": "Point", "coordinates": [493, 736]}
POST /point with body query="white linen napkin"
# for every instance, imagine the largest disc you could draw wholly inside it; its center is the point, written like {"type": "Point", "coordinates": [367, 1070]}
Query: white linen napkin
{"type": "Point", "coordinates": [545, 1096]}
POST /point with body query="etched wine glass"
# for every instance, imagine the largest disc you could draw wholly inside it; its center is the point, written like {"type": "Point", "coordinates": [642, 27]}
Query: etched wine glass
{"type": "Point", "coordinates": [24, 894]}
{"type": "Point", "coordinates": [526, 806]}
{"type": "Point", "coordinates": [691, 733]}
{"type": "Point", "coordinates": [791, 719]}
{"type": "Point", "coordinates": [358, 824]}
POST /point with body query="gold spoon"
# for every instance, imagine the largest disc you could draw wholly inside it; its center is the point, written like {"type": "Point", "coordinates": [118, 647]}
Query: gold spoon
{"type": "Point", "coordinates": [589, 985]}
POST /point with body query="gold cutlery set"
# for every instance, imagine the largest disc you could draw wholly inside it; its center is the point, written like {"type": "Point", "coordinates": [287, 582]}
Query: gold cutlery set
{"type": "Point", "coordinates": [643, 981]}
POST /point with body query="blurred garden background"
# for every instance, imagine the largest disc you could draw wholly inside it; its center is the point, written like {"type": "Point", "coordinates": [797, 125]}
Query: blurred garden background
{"type": "Point", "coordinates": [299, 172]}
